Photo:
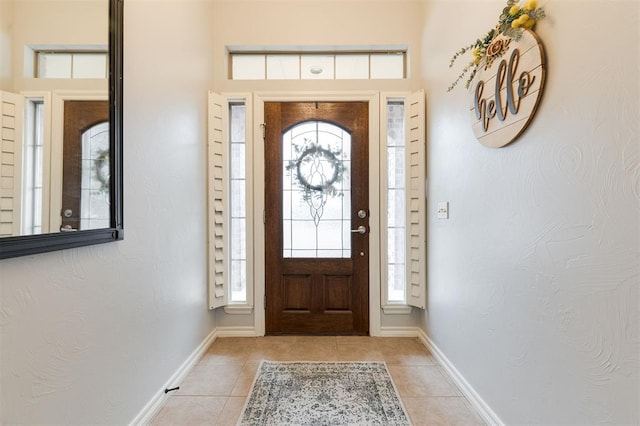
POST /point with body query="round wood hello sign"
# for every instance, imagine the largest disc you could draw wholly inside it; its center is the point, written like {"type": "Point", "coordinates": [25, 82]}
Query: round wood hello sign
{"type": "Point", "coordinates": [505, 93]}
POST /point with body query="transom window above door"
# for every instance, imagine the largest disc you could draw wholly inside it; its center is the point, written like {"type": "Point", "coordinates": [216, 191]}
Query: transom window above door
{"type": "Point", "coordinates": [272, 64]}
{"type": "Point", "coordinates": [67, 62]}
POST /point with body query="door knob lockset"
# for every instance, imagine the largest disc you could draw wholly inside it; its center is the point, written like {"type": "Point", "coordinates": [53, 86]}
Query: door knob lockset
{"type": "Point", "coordinates": [361, 230]}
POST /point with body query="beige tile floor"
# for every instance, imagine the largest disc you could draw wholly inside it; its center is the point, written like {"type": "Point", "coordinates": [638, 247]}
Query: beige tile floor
{"type": "Point", "coordinates": [214, 392]}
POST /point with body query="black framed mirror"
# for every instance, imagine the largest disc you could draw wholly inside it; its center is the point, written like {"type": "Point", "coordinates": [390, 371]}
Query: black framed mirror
{"type": "Point", "coordinates": [60, 236]}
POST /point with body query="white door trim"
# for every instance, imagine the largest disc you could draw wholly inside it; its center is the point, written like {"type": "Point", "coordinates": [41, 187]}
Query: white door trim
{"type": "Point", "coordinates": [373, 98]}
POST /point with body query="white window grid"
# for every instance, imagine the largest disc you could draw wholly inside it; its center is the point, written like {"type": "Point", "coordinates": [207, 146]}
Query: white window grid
{"type": "Point", "coordinates": [70, 64]}
{"type": "Point", "coordinates": [367, 65]}
{"type": "Point", "coordinates": [33, 168]}
{"type": "Point", "coordinates": [396, 223]}
{"type": "Point", "coordinates": [238, 203]}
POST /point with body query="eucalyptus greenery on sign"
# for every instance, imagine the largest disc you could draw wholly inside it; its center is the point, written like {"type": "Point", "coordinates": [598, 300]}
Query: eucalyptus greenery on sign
{"type": "Point", "coordinates": [512, 22]}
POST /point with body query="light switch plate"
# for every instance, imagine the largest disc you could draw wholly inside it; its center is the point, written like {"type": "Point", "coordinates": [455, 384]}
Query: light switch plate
{"type": "Point", "coordinates": [443, 210]}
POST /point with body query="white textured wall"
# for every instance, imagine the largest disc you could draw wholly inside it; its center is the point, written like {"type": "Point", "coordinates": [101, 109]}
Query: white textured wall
{"type": "Point", "coordinates": [533, 282]}
{"type": "Point", "coordinates": [88, 335]}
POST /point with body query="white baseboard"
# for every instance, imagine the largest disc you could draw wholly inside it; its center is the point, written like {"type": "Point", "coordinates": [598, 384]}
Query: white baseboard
{"type": "Point", "coordinates": [481, 407]}
{"type": "Point", "coordinates": [156, 402]}
{"type": "Point", "coordinates": [398, 332]}
{"type": "Point", "coordinates": [236, 332]}
{"type": "Point", "coordinates": [249, 331]}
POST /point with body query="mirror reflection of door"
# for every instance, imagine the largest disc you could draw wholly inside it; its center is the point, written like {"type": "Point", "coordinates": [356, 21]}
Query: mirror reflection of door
{"type": "Point", "coordinates": [317, 231]}
{"type": "Point", "coordinates": [85, 170]}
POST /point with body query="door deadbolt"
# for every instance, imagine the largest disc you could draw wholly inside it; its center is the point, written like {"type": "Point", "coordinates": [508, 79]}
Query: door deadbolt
{"type": "Point", "coordinates": [362, 214]}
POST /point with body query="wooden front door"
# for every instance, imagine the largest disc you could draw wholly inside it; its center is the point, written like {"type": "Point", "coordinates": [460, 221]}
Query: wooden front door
{"type": "Point", "coordinates": [317, 217]}
{"type": "Point", "coordinates": [85, 169]}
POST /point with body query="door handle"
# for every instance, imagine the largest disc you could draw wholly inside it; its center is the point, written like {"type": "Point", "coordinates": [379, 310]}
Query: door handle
{"type": "Point", "coordinates": [361, 230]}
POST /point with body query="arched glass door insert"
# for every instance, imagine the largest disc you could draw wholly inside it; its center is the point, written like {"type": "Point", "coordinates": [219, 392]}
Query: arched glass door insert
{"type": "Point", "coordinates": [316, 199]}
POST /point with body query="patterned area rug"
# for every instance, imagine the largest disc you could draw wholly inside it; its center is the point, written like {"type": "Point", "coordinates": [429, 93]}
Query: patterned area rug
{"type": "Point", "coordinates": [323, 393]}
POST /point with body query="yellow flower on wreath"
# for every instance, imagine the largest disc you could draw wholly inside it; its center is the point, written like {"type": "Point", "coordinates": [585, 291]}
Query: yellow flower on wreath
{"type": "Point", "coordinates": [530, 5]}
{"type": "Point", "coordinates": [514, 10]}
{"type": "Point", "coordinates": [523, 21]}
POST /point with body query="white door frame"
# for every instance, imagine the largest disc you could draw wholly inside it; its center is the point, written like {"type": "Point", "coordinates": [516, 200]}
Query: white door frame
{"type": "Point", "coordinates": [373, 98]}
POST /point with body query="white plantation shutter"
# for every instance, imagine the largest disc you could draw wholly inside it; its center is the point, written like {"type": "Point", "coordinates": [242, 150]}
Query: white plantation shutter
{"type": "Point", "coordinates": [415, 197]}
{"type": "Point", "coordinates": [10, 163]}
{"type": "Point", "coordinates": [218, 196]}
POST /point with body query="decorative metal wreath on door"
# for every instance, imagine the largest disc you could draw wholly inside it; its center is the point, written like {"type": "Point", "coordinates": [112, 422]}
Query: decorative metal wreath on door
{"type": "Point", "coordinates": [318, 171]}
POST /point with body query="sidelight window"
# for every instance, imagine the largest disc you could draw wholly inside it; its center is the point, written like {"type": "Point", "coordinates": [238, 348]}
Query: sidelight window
{"type": "Point", "coordinates": [230, 195]}
{"type": "Point", "coordinates": [33, 158]}
{"type": "Point", "coordinates": [396, 212]}
{"type": "Point", "coordinates": [237, 202]}
{"type": "Point", "coordinates": [403, 269]}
